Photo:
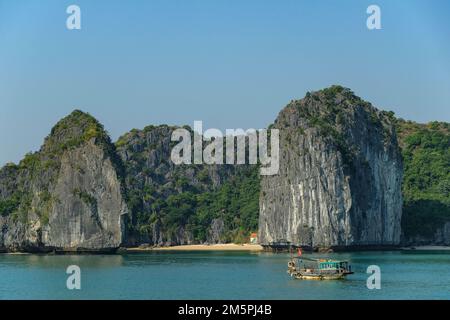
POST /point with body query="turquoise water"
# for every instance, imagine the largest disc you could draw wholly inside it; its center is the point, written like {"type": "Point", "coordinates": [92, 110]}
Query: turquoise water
{"type": "Point", "coordinates": [219, 275]}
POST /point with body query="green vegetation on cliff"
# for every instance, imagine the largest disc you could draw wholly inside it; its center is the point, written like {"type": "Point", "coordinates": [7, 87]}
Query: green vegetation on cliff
{"type": "Point", "coordinates": [38, 170]}
{"type": "Point", "coordinates": [9, 204]}
{"type": "Point", "coordinates": [168, 203]}
{"type": "Point", "coordinates": [236, 202]}
{"type": "Point", "coordinates": [426, 181]}
{"type": "Point", "coordinates": [173, 204]}
{"type": "Point", "coordinates": [76, 128]}
{"type": "Point", "coordinates": [330, 112]}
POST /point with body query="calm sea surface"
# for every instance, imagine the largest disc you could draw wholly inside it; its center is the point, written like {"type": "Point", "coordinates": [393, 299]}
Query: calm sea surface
{"type": "Point", "coordinates": [219, 275]}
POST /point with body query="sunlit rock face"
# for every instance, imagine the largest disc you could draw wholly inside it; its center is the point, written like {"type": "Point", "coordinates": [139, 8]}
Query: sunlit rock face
{"type": "Point", "coordinates": [340, 175]}
{"type": "Point", "coordinates": [67, 196]}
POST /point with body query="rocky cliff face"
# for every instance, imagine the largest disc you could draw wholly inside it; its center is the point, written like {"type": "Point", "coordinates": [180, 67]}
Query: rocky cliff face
{"type": "Point", "coordinates": [172, 204]}
{"type": "Point", "coordinates": [440, 236]}
{"type": "Point", "coordinates": [68, 196]}
{"type": "Point", "coordinates": [340, 175]}
{"type": "Point", "coordinates": [82, 193]}
{"type": "Point", "coordinates": [339, 184]}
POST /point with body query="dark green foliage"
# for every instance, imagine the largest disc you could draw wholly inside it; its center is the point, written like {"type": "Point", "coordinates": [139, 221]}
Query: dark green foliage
{"type": "Point", "coordinates": [40, 169]}
{"type": "Point", "coordinates": [236, 202]}
{"type": "Point", "coordinates": [45, 205]}
{"type": "Point", "coordinates": [336, 137]}
{"type": "Point", "coordinates": [334, 98]}
{"type": "Point", "coordinates": [189, 198]}
{"type": "Point", "coordinates": [9, 205]}
{"type": "Point", "coordinates": [30, 161]}
{"type": "Point", "coordinates": [424, 217]}
{"type": "Point", "coordinates": [168, 196]}
{"type": "Point", "coordinates": [203, 176]}
{"type": "Point", "coordinates": [22, 207]}
{"type": "Point", "coordinates": [85, 197]}
{"type": "Point", "coordinates": [426, 181]}
{"type": "Point", "coordinates": [74, 130]}
{"type": "Point", "coordinates": [333, 91]}
{"type": "Point", "coordinates": [177, 210]}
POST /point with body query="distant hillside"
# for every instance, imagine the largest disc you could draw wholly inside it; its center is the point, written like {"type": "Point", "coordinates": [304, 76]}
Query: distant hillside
{"type": "Point", "coordinates": [426, 182]}
{"type": "Point", "coordinates": [182, 204]}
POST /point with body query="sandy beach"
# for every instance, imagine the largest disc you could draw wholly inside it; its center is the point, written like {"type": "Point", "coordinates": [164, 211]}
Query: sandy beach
{"type": "Point", "coordinates": [251, 247]}
{"type": "Point", "coordinates": [202, 247]}
{"type": "Point", "coordinates": [15, 253]}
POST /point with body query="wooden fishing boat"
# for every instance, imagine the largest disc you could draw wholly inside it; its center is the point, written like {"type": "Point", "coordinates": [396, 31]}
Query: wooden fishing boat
{"type": "Point", "coordinates": [318, 269]}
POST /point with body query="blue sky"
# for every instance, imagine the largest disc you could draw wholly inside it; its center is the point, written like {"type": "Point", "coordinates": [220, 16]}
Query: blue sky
{"type": "Point", "coordinates": [232, 64]}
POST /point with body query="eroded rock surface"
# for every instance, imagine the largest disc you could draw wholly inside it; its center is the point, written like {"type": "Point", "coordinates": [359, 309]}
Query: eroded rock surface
{"type": "Point", "coordinates": [340, 175]}
{"type": "Point", "coordinates": [68, 196]}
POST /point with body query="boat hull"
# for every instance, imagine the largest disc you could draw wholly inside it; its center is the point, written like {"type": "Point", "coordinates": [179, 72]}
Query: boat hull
{"type": "Point", "coordinates": [300, 276]}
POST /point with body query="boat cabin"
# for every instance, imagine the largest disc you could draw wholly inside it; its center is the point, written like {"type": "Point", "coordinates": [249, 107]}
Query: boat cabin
{"type": "Point", "coordinates": [318, 269]}
{"type": "Point", "coordinates": [333, 265]}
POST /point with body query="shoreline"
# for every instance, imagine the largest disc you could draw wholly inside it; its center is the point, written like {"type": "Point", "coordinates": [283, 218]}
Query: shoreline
{"type": "Point", "coordinates": [426, 248]}
{"type": "Point", "coordinates": [230, 247]}
{"type": "Point", "coordinates": [201, 247]}
{"type": "Point", "coordinates": [259, 248]}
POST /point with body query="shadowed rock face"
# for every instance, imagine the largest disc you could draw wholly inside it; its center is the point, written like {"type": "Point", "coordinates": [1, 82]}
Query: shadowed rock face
{"type": "Point", "coordinates": [340, 175]}
{"type": "Point", "coordinates": [68, 196]}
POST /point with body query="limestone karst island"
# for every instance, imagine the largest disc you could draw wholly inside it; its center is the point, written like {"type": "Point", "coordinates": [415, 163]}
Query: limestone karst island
{"type": "Point", "coordinates": [351, 176]}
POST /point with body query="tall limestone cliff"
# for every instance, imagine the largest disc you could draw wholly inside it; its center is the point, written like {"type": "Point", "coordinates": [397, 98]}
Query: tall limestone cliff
{"type": "Point", "coordinates": [339, 184]}
{"type": "Point", "coordinates": [68, 195]}
{"type": "Point", "coordinates": [80, 192]}
{"type": "Point", "coordinates": [340, 174]}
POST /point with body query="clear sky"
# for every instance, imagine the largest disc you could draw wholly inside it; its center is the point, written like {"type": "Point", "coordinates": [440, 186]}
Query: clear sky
{"type": "Point", "coordinates": [232, 64]}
